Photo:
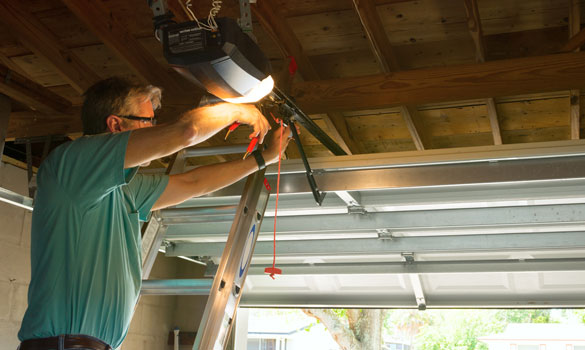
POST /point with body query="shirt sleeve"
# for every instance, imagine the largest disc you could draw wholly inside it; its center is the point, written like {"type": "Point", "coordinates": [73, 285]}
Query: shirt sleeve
{"type": "Point", "coordinates": [91, 167]}
{"type": "Point", "coordinates": [146, 189]}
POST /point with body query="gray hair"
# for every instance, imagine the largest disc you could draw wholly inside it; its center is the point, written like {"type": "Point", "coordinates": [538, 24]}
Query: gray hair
{"type": "Point", "coordinates": [114, 96]}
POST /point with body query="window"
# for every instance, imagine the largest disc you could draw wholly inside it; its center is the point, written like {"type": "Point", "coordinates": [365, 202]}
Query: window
{"type": "Point", "coordinates": [253, 344]}
{"type": "Point", "coordinates": [262, 344]}
{"type": "Point", "coordinates": [268, 344]}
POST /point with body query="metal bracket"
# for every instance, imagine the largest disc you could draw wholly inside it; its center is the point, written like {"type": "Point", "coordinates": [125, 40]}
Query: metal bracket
{"type": "Point", "coordinates": [384, 233]}
{"type": "Point", "coordinates": [408, 257]}
{"type": "Point", "coordinates": [152, 239]}
{"type": "Point", "coordinates": [356, 209]}
{"type": "Point", "coordinates": [245, 20]}
{"type": "Point", "coordinates": [162, 16]}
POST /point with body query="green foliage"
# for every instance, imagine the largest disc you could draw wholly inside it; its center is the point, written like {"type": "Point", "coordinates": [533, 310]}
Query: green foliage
{"type": "Point", "coordinates": [457, 329]}
{"type": "Point", "coordinates": [525, 316]}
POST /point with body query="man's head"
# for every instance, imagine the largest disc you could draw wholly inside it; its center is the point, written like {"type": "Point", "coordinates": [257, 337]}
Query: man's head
{"type": "Point", "coordinates": [115, 104]}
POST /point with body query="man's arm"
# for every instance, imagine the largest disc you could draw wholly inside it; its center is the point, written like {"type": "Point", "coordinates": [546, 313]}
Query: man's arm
{"type": "Point", "coordinates": [193, 127]}
{"type": "Point", "coordinates": [210, 178]}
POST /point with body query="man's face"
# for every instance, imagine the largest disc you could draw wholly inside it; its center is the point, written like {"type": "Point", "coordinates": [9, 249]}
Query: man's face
{"type": "Point", "coordinates": [144, 111]}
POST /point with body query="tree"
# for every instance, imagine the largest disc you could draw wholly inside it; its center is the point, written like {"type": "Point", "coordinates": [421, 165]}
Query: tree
{"type": "Point", "coordinates": [457, 329]}
{"type": "Point", "coordinates": [352, 329]}
{"type": "Point", "coordinates": [408, 323]}
{"type": "Point", "coordinates": [525, 316]}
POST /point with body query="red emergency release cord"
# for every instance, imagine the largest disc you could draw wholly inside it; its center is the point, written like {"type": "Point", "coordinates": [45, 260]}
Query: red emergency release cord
{"type": "Point", "coordinates": [274, 270]}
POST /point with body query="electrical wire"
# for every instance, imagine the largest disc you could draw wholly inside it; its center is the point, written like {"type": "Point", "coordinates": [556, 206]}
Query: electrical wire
{"type": "Point", "coordinates": [211, 24]}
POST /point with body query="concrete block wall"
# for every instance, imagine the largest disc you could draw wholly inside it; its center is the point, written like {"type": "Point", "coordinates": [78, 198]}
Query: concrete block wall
{"type": "Point", "coordinates": [154, 317]}
{"type": "Point", "coordinates": [14, 257]}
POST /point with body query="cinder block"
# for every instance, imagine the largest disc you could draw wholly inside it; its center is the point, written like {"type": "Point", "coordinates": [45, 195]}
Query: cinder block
{"type": "Point", "coordinates": [132, 342]}
{"type": "Point", "coordinates": [136, 320]}
{"type": "Point", "coordinates": [12, 218]}
{"type": "Point", "coordinates": [14, 263]}
{"type": "Point", "coordinates": [19, 301]}
{"type": "Point", "coordinates": [13, 179]}
{"type": "Point", "coordinates": [26, 229]}
{"type": "Point", "coordinates": [6, 300]}
{"type": "Point", "coordinates": [155, 320]}
{"type": "Point", "coordinates": [164, 267]}
{"type": "Point", "coordinates": [9, 335]}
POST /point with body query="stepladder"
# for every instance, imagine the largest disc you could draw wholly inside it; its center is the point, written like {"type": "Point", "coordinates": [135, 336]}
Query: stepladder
{"type": "Point", "coordinates": [228, 284]}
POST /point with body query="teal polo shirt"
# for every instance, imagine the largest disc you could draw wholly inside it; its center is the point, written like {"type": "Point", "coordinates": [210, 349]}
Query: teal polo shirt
{"type": "Point", "coordinates": [86, 241]}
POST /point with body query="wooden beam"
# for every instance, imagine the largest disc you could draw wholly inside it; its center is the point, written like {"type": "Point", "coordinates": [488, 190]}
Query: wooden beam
{"type": "Point", "coordinates": [30, 124]}
{"type": "Point", "coordinates": [5, 107]}
{"type": "Point", "coordinates": [283, 35]}
{"type": "Point", "coordinates": [575, 106]}
{"type": "Point", "coordinates": [388, 63]}
{"type": "Point", "coordinates": [474, 25]}
{"type": "Point", "coordinates": [416, 127]}
{"type": "Point", "coordinates": [39, 39]}
{"type": "Point", "coordinates": [114, 34]}
{"type": "Point", "coordinates": [441, 84]}
{"type": "Point", "coordinates": [366, 10]}
{"type": "Point", "coordinates": [494, 121]}
{"type": "Point", "coordinates": [575, 42]}
{"type": "Point", "coordinates": [337, 124]}
{"type": "Point", "coordinates": [575, 115]}
{"type": "Point", "coordinates": [8, 63]}
{"type": "Point", "coordinates": [30, 93]}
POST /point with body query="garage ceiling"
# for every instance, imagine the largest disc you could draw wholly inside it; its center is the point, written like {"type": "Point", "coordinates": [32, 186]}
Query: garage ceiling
{"type": "Point", "coordinates": [463, 119]}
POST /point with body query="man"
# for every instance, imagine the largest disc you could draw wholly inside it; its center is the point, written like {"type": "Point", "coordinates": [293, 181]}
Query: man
{"type": "Point", "coordinates": [86, 260]}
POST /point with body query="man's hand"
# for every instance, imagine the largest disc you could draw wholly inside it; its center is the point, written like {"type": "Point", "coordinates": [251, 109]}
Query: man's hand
{"type": "Point", "coordinates": [249, 114]}
{"type": "Point", "coordinates": [271, 153]}
{"type": "Point", "coordinates": [193, 127]}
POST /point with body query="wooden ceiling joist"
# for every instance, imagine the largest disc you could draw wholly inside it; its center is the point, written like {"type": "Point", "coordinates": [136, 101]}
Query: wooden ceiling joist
{"type": "Point", "coordinates": [575, 105]}
{"type": "Point", "coordinates": [452, 83]}
{"type": "Point", "coordinates": [31, 94]}
{"type": "Point", "coordinates": [494, 121]}
{"type": "Point", "coordinates": [388, 62]}
{"type": "Point", "coordinates": [8, 63]}
{"type": "Point", "coordinates": [113, 33]}
{"type": "Point", "coordinates": [25, 124]}
{"type": "Point", "coordinates": [366, 10]}
{"type": "Point", "coordinates": [416, 127]}
{"type": "Point", "coordinates": [39, 39]}
{"type": "Point", "coordinates": [575, 42]}
{"type": "Point", "coordinates": [474, 25]}
{"type": "Point", "coordinates": [283, 35]}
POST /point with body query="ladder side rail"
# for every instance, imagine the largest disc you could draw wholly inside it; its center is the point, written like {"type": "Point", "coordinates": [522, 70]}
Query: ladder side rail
{"type": "Point", "coordinates": [229, 280]}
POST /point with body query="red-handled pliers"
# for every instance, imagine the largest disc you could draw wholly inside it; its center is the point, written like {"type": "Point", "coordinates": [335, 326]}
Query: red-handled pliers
{"type": "Point", "coordinates": [252, 144]}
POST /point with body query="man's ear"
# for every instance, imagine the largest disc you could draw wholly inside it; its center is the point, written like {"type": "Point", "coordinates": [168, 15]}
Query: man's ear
{"type": "Point", "coordinates": [114, 123]}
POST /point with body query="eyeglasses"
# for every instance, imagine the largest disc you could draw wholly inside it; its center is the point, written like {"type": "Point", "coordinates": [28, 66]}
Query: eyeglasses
{"type": "Point", "coordinates": [144, 120]}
